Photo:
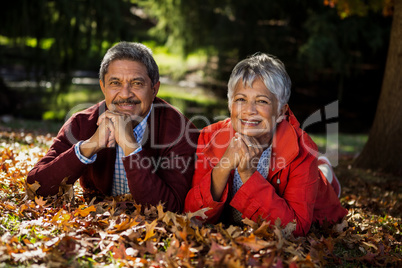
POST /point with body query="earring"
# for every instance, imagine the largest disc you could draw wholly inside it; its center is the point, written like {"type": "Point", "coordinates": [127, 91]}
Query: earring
{"type": "Point", "coordinates": [279, 119]}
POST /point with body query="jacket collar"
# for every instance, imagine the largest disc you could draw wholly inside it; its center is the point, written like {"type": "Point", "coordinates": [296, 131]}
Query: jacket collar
{"type": "Point", "coordinates": [285, 146]}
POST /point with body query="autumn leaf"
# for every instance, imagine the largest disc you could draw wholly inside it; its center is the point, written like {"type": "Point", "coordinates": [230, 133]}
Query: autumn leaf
{"type": "Point", "coordinates": [161, 213]}
{"type": "Point", "coordinates": [253, 242]}
{"type": "Point", "coordinates": [150, 230]}
{"type": "Point", "coordinates": [340, 227]}
{"type": "Point", "coordinates": [67, 230]}
{"type": "Point", "coordinates": [39, 201]}
{"type": "Point", "coordinates": [119, 251]}
{"type": "Point", "coordinates": [66, 191]}
{"type": "Point", "coordinates": [30, 189]}
{"type": "Point", "coordinates": [219, 252]}
{"type": "Point", "coordinates": [83, 212]}
{"type": "Point", "coordinates": [124, 225]}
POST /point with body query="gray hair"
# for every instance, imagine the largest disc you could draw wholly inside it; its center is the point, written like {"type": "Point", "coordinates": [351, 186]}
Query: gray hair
{"type": "Point", "coordinates": [266, 67]}
{"type": "Point", "coordinates": [130, 51]}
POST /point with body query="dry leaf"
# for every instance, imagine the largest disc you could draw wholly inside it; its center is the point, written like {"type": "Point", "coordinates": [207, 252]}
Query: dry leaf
{"type": "Point", "coordinates": [30, 189]}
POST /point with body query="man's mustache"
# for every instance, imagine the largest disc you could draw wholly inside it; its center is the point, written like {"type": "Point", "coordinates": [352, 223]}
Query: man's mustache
{"type": "Point", "coordinates": [127, 101]}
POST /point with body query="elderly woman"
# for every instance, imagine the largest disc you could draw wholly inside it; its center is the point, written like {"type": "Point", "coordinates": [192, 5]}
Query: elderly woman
{"type": "Point", "coordinates": [259, 162]}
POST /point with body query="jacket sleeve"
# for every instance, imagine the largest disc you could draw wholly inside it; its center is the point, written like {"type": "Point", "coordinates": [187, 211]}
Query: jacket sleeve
{"type": "Point", "coordinates": [200, 195]}
{"type": "Point", "coordinates": [258, 197]}
{"type": "Point", "coordinates": [59, 162]}
{"type": "Point", "coordinates": [165, 177]}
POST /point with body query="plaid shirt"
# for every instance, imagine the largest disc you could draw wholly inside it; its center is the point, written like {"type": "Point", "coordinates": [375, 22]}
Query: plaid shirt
{"type": "Point", "coordinates": [262, 168]}
{"type": "Point", "coordinates": [120, 184]}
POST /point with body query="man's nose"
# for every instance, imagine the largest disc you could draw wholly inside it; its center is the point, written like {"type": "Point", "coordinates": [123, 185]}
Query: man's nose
{"type": "Point", "coordinates": [126, 91]}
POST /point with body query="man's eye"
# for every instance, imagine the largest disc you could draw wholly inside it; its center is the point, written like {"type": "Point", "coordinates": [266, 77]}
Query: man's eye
{"type": "Point", "coordinates": [115, 83]}
{"type": "Point", "coordinates": [240, 100]}
{"type": "Point", "coordinates": [263, 101]}
{"type": "Point", "coordinates": [137, 83]}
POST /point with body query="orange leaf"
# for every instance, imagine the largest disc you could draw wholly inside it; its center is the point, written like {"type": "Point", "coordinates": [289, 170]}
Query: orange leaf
{"type": "Point", "coordinates": [124, 225]}
{"type": "Point", "coordinates": [39, 201]}
{"type": "Point", "coordinates": [149, 230]}
{"type": "Point", "coordinates": [252, 242]}
{"type": "Point", "coordinates": [84, 212]}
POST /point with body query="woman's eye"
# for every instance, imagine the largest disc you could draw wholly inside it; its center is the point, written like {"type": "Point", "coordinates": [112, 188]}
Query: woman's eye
{"type": "Point", "coordinates": [239, 100]}
{"type": "Point", "coordinates": [263, 101]}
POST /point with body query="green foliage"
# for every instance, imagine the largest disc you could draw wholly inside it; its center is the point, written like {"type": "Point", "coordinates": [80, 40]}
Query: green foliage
{"type": "Point", "coordinates": [341, 44]}
{"type": "Point", "coordinates": [53, 38]}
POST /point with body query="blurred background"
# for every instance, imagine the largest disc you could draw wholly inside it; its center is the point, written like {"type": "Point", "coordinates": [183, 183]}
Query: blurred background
{"type": "Point", "coordinates": [50, 52]}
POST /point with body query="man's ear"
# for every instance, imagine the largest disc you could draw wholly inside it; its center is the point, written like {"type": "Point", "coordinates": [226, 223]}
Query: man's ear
{"type": "Point", "coordinates": [155, 89]}
{"type": "Point", "coordinates": [102, 86]}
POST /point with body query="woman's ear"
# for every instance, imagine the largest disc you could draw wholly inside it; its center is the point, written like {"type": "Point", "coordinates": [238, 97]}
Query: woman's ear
{"type": "Point", "coordinates": [282, 113]}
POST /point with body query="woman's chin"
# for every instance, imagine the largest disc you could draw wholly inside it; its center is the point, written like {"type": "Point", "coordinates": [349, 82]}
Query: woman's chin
{"type": "Point", "coordinates": [256, 133]}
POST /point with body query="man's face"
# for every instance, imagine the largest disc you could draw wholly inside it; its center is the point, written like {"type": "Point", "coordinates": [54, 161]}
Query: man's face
{"type": "Point", "coordinates": [128, 88]}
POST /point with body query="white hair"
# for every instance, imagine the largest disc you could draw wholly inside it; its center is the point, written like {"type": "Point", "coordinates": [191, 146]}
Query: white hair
{"type": "Point", "coordinates": [267, 68]}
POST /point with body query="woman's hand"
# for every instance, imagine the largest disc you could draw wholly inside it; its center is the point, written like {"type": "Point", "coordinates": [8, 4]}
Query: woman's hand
{"type": "Point", "coordinates": [242, 153]}
{"type": "Point", "coordinates": [251, 151]}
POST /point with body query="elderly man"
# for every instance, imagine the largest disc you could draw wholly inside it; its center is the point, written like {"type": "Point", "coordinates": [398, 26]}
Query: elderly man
{"type": "Point", "coordinates": [132, 142]}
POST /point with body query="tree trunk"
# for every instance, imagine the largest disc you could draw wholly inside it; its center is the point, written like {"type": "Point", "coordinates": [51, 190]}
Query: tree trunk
{"type": "Point", "coordinates": [383, 151]}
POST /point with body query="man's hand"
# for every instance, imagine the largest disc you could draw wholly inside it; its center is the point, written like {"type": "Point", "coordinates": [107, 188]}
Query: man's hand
{"type": "Point", "coordinates": [121, 130]}
{"type": "Point", "coordinates": [102, 138]}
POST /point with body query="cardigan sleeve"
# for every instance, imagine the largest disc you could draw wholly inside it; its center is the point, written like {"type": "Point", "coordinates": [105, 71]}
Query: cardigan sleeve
{"type": "Point", "coordinates": [59, 162]}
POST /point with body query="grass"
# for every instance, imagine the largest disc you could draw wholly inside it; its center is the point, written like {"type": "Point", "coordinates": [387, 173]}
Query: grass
{"type": "Point", "coordinates": [347, 144]}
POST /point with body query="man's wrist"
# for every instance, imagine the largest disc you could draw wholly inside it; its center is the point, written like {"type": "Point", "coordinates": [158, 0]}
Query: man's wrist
{"type": "Point", "coordinates": [87, 149]}
{"type": "Point", "coordinates": [130, 148]}
{"type": "Point", "coordinates": [82, 158]}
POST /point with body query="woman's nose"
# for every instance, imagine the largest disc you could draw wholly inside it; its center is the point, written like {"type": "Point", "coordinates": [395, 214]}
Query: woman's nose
{"type": "Point", "coordinates": [250, 108]}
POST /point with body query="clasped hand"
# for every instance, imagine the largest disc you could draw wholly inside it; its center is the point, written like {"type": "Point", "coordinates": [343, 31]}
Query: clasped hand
{"type": "Point", "coordinates": [112, 128]}
{"type": "Point", "coordinates": [243, 153]}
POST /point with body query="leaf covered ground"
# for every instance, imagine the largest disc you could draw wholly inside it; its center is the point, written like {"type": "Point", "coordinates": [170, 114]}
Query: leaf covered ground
{"type": "Point", "coordinates": [55, 232]}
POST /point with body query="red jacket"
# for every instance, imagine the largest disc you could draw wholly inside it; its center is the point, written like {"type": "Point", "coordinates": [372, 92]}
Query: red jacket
{"type": "Point", "coordinates": [294, 190]}
{"type": "Point", "coordinates": [162, 171]}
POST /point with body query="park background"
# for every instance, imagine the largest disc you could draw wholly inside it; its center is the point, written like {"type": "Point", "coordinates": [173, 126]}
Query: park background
{"type": "Point", "coordinates": [346, 53]}
{"type": "Point", "coordinates": [50, 52]}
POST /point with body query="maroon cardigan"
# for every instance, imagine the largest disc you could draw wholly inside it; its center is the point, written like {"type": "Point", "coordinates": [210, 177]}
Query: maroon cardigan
{"type": "Point", "coordinates": [162, 171]}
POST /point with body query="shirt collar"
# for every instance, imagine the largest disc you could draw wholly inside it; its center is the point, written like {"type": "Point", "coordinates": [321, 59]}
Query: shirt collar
{"type": "Point", "coordinates": [140, 128]}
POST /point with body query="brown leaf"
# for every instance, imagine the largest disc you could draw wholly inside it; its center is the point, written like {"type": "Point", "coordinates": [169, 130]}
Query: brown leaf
{"type": "Point", "coordinates": [119, 251]}
{"type": "Point", "coordinates": [40, 202]}
{"type": "Point", "coordinates": [250, 223]}
{"type": "Point", "coordinates": [161, 213]}
{"type": "Point", "coordinates": [340, 227]}
{"type": "Point", "coordinates": [66, 191]}
{"type": "Point", "coordinates": [30, 189]}
{"type": "Point", "coordinates": [253, 242]}
{"type": "Point", "coordinates": [219, 252]}
{"type": "Point", "coordinates": [149, 233]}
{"type": "Point", "coordinates": [264, 230]}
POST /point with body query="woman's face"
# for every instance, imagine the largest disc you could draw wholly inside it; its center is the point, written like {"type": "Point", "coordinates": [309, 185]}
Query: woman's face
{"type": "Point", "coordinates": [254, 111]}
